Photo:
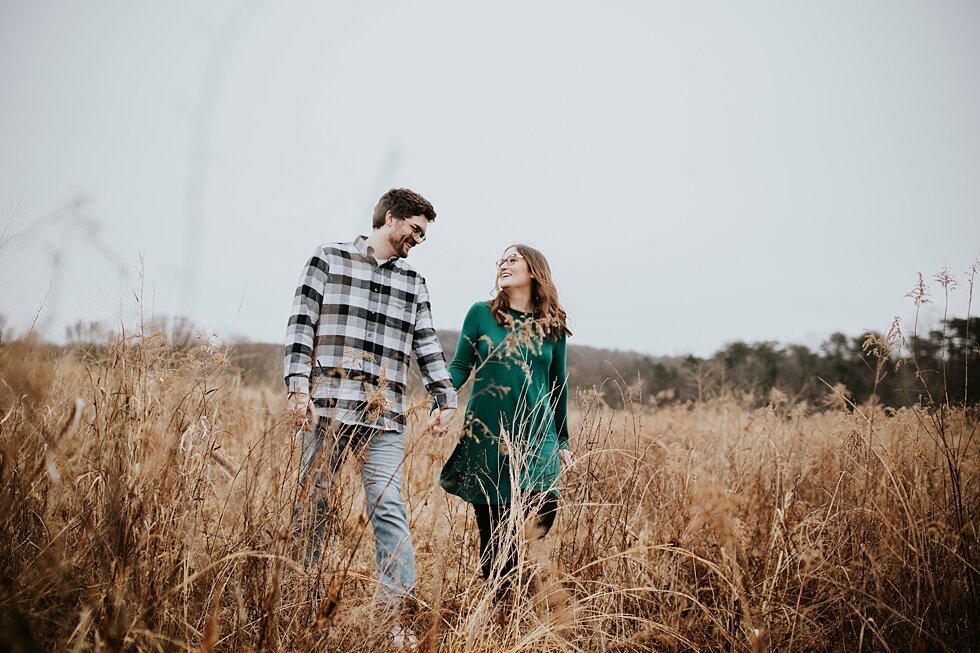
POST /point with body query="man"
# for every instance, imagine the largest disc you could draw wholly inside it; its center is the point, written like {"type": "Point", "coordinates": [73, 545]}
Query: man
{"type": "Point", "coordinates": [359, 314]}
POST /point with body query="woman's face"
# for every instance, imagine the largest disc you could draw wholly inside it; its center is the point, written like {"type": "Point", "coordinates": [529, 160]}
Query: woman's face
{"type": "Point", "coordinates": [513, 271]}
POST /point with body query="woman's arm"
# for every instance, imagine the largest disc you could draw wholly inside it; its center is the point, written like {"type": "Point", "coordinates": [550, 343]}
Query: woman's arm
{"type": "Point", "coordinates": [465, 358]}
{"type": "Point", "coordinates": [558, 378]}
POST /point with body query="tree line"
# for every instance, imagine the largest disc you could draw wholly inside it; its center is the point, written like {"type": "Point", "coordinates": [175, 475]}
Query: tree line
{"type": "Point", "coordinates": [942, 366]}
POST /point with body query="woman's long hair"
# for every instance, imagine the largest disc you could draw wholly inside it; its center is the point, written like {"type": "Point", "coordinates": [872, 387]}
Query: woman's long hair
{"type": "Point", "coordinates": [544, 297]}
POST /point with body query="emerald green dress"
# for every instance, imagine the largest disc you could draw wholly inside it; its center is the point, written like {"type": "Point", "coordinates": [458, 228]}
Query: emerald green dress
{"type": "Point", "coordinates": [519, 395]}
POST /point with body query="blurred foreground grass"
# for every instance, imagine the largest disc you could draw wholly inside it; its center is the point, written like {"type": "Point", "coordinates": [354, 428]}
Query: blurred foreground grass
{"type": "Point", "coordinates": [146, 505]}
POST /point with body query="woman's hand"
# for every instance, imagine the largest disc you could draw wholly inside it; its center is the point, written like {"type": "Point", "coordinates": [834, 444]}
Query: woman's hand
{"type": "Point", "coordinates": [567, 459]}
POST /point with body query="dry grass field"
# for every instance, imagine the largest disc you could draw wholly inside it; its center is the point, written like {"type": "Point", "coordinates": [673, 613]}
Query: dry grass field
{"type": "Point", "coordinates": [146, 505]}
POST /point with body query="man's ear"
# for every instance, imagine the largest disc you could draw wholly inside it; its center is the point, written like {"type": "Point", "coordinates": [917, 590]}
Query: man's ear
{"type": "Point", "coordinates": [389, 218]}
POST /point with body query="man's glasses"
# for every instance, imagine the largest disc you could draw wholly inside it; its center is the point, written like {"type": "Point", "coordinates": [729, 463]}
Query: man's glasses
{"type": "Point", "coordinates": [417, 233]}
{"type": "Point", "coordinates": [509, 261]}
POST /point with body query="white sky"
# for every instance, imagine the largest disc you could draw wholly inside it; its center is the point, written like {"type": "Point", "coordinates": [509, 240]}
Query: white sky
{"type": "Point", "coordinates": [696, 172]}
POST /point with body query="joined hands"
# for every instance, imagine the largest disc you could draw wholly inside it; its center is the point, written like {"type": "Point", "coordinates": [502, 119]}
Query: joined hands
{"type": "Point", "coordinates": [439, 420]}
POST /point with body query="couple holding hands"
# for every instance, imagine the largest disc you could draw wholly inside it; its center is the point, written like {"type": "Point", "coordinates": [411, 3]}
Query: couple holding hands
{"type": "Point", "coordinates": [359, 314]}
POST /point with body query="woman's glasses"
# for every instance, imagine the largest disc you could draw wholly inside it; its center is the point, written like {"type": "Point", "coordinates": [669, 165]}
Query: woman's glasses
{"type": "Point", "coordinates": [509, 261]}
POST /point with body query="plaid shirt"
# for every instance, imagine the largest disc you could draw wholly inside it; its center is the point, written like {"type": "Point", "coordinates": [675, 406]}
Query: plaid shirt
{"type": "Point", "coordinates": [354, 325]}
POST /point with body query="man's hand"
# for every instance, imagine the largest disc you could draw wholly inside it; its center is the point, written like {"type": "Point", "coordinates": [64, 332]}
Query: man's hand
{"type": "Point", "coordinates": [439, 420]}
{"type": "Point", "coordinates": [300, 409]}
{"type": "Point", "coordinates": [567, 459]}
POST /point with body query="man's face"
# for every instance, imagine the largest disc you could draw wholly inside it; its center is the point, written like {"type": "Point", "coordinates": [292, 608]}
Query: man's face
{"type": "Point", "coordinates": [406, 233]}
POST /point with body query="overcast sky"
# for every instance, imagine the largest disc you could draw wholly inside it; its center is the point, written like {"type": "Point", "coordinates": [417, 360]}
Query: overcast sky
{"type": "Point", "coordinates": [696, 172]}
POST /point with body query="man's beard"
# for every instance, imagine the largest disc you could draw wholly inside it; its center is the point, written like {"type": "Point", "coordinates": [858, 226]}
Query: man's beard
{"type": "Point", "coordinates": [401, 246]}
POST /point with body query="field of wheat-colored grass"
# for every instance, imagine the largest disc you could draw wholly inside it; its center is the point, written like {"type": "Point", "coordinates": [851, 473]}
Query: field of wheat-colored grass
{"type": "Point", "coordinates": [146, 504]}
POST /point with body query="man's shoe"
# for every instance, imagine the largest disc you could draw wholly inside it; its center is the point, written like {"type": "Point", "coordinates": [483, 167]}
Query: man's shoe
{"type": "Point", "coordinates": [403, 639]}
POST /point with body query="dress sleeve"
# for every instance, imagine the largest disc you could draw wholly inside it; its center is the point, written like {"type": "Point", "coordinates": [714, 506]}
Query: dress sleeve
{"type": "Point", "coordinates": [301, 329]}
{"type": "Point", "coordinates": [466, 353]}
{"type": "Point", "coordinates": [559, 392]}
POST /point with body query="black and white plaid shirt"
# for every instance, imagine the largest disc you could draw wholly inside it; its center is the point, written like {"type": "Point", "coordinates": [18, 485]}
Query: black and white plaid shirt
{"type": "Point", "coordinates": [354, 326]}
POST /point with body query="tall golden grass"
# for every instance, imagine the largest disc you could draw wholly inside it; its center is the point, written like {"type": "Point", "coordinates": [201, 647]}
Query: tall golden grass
{"type": "Point", "coordinates": [146, 504]}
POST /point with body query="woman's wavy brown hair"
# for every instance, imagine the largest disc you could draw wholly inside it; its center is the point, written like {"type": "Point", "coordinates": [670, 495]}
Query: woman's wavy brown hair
{"type": "Point", "coordinates": [544, 297]}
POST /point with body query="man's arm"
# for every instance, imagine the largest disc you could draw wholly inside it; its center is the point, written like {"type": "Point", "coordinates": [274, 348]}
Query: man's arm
{"type": "Point", "coordinates": [301, 330]}
{"type": "Point", "coordinates": [428, 353]}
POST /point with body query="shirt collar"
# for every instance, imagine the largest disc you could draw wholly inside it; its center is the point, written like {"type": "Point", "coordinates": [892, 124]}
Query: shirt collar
{"type": "Point", "coordinates": [360, 243]}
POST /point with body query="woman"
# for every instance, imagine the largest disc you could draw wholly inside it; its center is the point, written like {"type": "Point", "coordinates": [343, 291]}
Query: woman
{"type": "Point", "coordinates": [516, 425]}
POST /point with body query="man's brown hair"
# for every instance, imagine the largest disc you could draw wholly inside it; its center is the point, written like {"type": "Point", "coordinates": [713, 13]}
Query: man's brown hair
{"type": "Point", "coordinates": [402, 203]}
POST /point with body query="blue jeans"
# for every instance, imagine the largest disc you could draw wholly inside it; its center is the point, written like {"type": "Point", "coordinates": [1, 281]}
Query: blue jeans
{"type": "Point", "coordinates": [380, 455]}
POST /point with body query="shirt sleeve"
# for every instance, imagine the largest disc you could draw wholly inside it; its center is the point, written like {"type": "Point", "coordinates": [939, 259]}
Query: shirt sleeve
{"type": "Point", "coordinates": [301, 330]}
{"type": "Point", "coordinates": [428, 353]}
{"type": "Point", "coordinates": [559, 392]}
{"type": "Point", "coordinates": [465, 358]}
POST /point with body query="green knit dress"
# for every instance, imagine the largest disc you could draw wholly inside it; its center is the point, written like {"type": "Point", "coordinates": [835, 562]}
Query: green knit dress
{"type": "Point", "coordinates": [517, 416]}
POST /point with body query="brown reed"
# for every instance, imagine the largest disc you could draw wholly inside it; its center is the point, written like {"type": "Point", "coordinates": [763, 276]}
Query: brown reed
{"type": "Point", "coordinates": [146, 504]}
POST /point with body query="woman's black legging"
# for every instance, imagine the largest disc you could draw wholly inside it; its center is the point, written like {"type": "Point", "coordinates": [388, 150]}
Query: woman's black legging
{"type": "Point", "coordinates": [489, 518]}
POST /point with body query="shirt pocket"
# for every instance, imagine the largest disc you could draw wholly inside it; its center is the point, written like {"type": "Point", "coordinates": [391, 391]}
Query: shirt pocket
{"type": "Point", "coordinates": [401, 305]}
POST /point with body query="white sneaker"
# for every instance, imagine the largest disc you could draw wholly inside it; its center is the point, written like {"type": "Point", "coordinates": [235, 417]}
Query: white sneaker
{"type": "Point", "coordinates": [403, 639]}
